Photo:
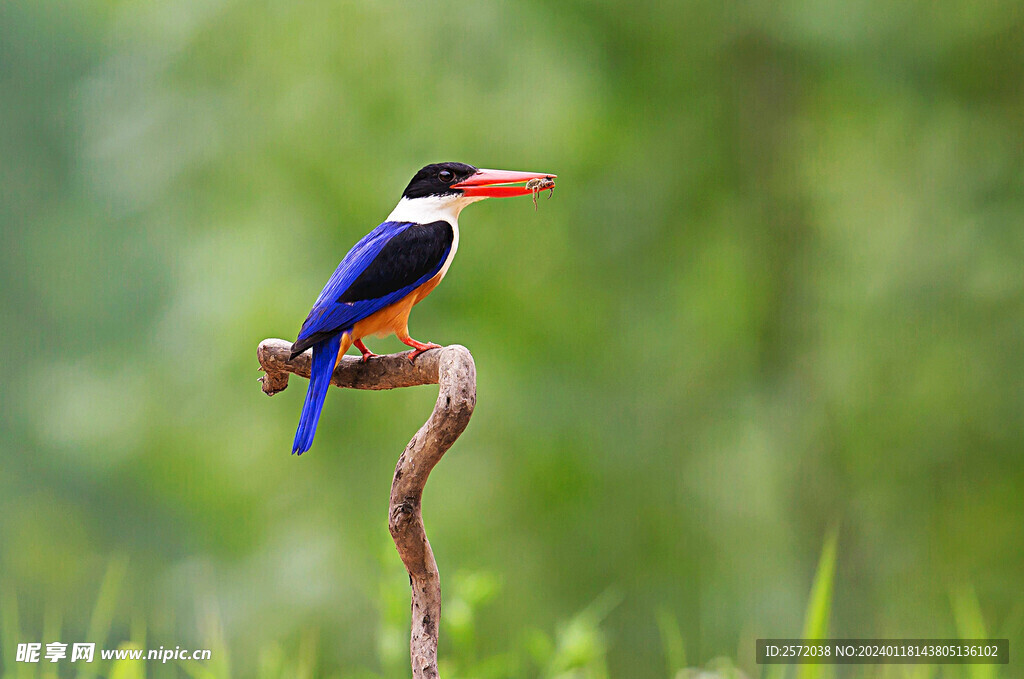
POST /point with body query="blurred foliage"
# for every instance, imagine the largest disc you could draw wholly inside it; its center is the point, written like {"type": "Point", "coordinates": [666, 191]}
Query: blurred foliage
{"type": "Point", "coordinates": [779, 288]}
{"type": "Point", "coordinates": [577, 651]}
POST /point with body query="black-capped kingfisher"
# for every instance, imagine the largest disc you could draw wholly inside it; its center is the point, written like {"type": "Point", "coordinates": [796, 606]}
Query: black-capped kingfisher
{"type": "Point", "coordinates": [393, 268]}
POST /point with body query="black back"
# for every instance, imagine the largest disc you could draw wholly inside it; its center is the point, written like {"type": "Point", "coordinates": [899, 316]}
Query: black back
{"type": "Point", "coordinates": [412, 254]}
{"type": "Point", "coordinates": [437, 180]}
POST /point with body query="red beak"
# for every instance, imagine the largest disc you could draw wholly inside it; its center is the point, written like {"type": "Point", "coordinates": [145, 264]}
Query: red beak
{"type": "Point", "coordinates": [485, 183]}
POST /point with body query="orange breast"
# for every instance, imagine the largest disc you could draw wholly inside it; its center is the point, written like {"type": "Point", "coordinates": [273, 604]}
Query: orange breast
{"type": "Point", "coordinates": [395, 317]}
{"type": "Point", "coordinates": [426, 288]}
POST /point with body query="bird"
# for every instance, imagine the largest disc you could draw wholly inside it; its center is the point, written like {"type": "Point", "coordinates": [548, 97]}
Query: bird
{"type": "Point", "coordinates": [393, 268]}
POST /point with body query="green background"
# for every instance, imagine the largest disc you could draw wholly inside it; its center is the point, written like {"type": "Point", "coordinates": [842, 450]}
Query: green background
{"type": "Point", "coordinates": [779, 289]}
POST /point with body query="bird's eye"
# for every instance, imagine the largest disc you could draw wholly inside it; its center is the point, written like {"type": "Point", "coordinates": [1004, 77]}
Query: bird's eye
{"type": "Point", "coordinates": [446, 176]}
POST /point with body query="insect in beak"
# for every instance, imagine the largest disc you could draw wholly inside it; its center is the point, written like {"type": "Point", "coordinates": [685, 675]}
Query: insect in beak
{"type": "Point", "coordinates": [540, 184]}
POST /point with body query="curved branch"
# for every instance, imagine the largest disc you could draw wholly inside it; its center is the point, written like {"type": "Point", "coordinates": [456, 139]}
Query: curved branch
{"type": "Point", "coordinates": [453, 369]}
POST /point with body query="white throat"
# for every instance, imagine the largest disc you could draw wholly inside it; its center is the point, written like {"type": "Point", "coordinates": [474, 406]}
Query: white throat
{"type": "Point", "coordinates": [431, 209]}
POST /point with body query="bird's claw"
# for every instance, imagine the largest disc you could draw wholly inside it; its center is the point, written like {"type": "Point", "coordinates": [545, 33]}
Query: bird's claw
{"type": "Point", "coordinates": [367, 354]}
{"type": "Point", "coordinates": [420, 348]}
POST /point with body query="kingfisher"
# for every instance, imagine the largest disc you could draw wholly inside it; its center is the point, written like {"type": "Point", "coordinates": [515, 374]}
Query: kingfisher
{"type": "Point", "coordinates": [392, 269]}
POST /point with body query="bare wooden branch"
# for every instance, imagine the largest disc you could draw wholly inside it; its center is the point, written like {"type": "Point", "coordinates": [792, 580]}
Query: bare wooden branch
{"type": "Point", "coordinates": [391, 371]}
{"type": "Point", "coordinates": [453, 369]}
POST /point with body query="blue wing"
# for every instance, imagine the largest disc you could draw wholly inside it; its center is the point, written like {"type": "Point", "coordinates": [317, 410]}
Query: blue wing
{"type": "Point", "coordinates": [386, 265]}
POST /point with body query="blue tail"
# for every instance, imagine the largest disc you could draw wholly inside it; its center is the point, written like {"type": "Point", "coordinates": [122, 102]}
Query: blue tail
{"type": "Point", "coordinates": [325, 355]}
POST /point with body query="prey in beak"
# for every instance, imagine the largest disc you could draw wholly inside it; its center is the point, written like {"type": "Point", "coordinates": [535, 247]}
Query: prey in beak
{"type": "Point", "coordinates": [502, 183]}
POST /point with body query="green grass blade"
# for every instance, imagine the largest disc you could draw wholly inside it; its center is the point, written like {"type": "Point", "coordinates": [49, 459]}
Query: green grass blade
{"type": "Point", "coordinates": [103, 612]}
{"type": "Point", "coordinates": [128, 669]}
{"type": "Point", "coordinates": [51, 632]}
{"type": "Point", "coordinates": [212, 628]}
{"type": "Point", "coordinates": [10, 634]}
{"type": "Point", "coordinates": [970, 624]}
{"type": "Point", "coordinates": [196, 670]}
{"type": "Point", "coordinates": [671, 642]}
{"type": "Point", "coordinates": [819, 607]}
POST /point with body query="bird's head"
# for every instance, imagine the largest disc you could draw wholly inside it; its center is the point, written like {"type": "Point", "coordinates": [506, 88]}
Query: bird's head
{"type": "Point", "coordinates": [446, 188]}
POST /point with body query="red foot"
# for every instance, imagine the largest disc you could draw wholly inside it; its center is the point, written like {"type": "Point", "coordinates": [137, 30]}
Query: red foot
{"type": "Point", "coordinates": [367, 354]}
{"type": "Point", "coordinates": [419, 347]}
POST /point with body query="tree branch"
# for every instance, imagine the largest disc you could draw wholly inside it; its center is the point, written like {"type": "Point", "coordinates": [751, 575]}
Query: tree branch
{"type": "Point", "coordinates": [453, 369]}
